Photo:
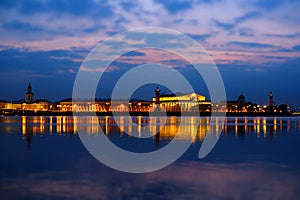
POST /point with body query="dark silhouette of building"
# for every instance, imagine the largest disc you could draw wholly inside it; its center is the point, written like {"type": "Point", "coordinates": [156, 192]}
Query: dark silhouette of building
{"type": "Point", "coordinates": [29, 94]}
{"type": "Point", "coordinates": [271, 100]}
{"type": "Point", "coordinates": [241, 100]}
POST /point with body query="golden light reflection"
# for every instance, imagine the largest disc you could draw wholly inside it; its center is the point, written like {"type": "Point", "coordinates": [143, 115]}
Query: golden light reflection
{"type": "Point", "coordinates": [153, 126]}
{"type": "Point", "coordinates": [139, 126]}
{"type": "Point", "coordinates": [107, 129]}
{"type": "Point", "coordinates": [94, 125]}
{"type": "Point", "coordinates": [42, 124]}
{"type": "Point", "coordinates": [236, 126]}
{"type": "Point", "coordinates": [64, 125]}
{"type": "Point", "coordinates": [275, 125]}
{"type": "Point", "coordinates": [256, 126]}
{"type": "Point", "coordinates": [246, 124]}
{"type": "Point", "coordinates": [129, 128]}
{"type": "Point", "coordinates": [202, 132]}
{"type": "Point", "coordinates": [217, 125]}
{"type": "Point", "coordinates": [75, 124]}
{"type": "Point", "coordinates": [193, 129]}
{"type": "Point", "coordinates": [264, 125]}
{"type": "Point", "coordinates": [23, 125]}
{"type": "Point", "coordinates": [58, 124]}
{"type": "Point", "coordinates": [50, 124]}
{"type": "Point", "coordinates": [159, 128]}
{"type": "Point", "coordinates": [122, 124]}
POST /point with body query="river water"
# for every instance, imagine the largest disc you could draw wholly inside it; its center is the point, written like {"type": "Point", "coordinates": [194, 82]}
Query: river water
{"type": "Point", "coordinates": [254, 158]}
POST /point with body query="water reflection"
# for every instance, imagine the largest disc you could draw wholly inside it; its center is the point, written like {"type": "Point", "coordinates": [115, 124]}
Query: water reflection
{"type": "Point", "coordinates": [191, 180]}
{"type": "Point", "coordinates": [159, 128]}
{"type": "Point", "coordinates": [59, 167]}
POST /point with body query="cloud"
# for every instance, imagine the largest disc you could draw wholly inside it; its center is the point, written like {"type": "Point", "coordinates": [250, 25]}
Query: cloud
{"type": "Point", "coordinates": [94, 29]}
{"type": "Point", "coordinates": [31, 7]}
{"type": "Point", "coordinates": [176, 63]}
{"type": "Point", "coordinates": [284, 50]}
{"type": "Point", "coordinates": [128, 5]}
{"type": "Point", "coordinates": [251, 45]}
{"type": "Point", "coordinates": [208, 1]}
{"type": "Point", "coordinates": [290, 36]}
{"type": "Point", "coordinates": [58, 7]}
{"type": "Point", "coordinates": [225, 26]}
{"type": "Point", "coordinates": [269, 63]}
{"type": "Point", "coordinates": [237, 21]}
{"type": "Point", "coordinates": [165, 40]}
{"type": "Point", "coordinates": [177, 6]}
{"type": "Point", "coordinates": [21, 26]}
{"type": "Point", "coordinates": [270, 4]}
{"type": "Point", "coordinates": [274, 57]}
{"type": "Point", "coordinates": [201, 37]}
{"type": "Point", "coordinates": [43, 62]}
{"type": "Point", "coordinates": [246, 32]}
{"type": "Point", "coordinates": [295, 48]}
{"type": "Point", "coordinates": [99, 69]}
{"type": "Point", "coordinates": [134, 53]}
{"type": "Point", "coordinates": [247, 16]}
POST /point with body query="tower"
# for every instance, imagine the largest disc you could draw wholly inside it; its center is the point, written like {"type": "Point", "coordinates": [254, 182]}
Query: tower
{"type": "Point", "coordinates": [157, 94]}
{"type": "Point", "coordinates": [157, 102]}
{"type": "Point", "coordinates": [271, 100]}
{"type": "Point", "coordinates": [29, 94]}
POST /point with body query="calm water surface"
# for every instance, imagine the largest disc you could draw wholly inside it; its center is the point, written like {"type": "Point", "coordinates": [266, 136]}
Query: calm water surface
{"type": "Point", "coordinates": [255, 158]}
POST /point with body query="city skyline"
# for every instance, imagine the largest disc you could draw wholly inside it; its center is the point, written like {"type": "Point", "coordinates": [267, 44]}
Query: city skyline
{"type": "Point", "coordinates": [254, 44]}
{"type": "Point", "coordinates": [29, 96]}
{"type": "Point", "coordinates": [171, 104]}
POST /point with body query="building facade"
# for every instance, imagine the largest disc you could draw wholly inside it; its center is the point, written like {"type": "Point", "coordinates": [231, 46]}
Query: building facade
{"type": "Point", "coordinates": [191, 102]}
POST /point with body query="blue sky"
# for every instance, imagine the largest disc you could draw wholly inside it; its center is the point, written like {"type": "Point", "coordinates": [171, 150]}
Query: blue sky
{"type": "Point", "coordinates": [255, 44]}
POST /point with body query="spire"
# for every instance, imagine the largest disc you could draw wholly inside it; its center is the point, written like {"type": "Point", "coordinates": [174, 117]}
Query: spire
{"type": "Point", "coordinates": [271, 99]}
{"type": "Point", "coordinates": [29, 94]}
{"type": "Point", "coordinates": [29, 88]}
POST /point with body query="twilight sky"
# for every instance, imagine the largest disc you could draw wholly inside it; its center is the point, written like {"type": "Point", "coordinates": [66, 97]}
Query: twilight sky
{"type": "Point", "coordinates": [255, 44]}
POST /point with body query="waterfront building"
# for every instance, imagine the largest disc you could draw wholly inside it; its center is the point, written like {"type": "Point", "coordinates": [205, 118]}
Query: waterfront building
{"type": "Point", "coordinates": [28, 104]}
{"type": "Point", "coordinates": [104, 106]}
{"type": "Point", "coordinates": [240, 105]}
{"type": "Point", "coordinates": [5, 105]}
{"type": "Point", "coordinates": [183, 102]}
{"type": "Point", "coordinates": [172, 103]}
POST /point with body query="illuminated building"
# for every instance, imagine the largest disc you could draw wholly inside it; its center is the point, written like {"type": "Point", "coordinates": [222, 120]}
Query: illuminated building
{"type": "Point", "coordinates": [240, 105]}
{"type": "Point", "coordinates": [6, 105]}
{"type": "Point", "coordinates": [29, 104]}
{"type": "Point", "coordinates": [183, 102]}
{"type": "Point", "coordinates": [104, 106]}
{"type": "Point", "coordinates": [171, 103]}
{"type": "Point", "coordinates": [181, 97]}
